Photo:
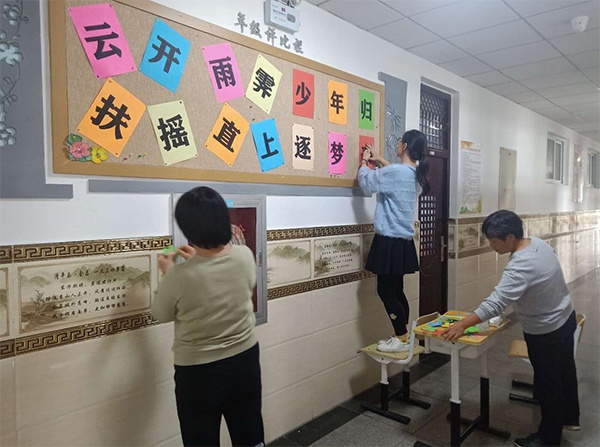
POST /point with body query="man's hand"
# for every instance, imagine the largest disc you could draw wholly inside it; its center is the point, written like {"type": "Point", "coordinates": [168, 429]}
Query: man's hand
{"type": "Point", "coordinates": [454, 332]}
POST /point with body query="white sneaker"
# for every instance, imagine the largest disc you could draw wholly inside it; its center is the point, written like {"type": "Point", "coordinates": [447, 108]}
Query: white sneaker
{"type": "Point", "coordinates": [392, 345]}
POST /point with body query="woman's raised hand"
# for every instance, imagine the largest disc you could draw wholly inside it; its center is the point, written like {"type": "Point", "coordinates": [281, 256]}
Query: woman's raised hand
{"type": "Point", "coordinates": [186, 251]}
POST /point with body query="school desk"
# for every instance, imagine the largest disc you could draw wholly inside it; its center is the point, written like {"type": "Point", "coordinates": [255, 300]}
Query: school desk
{"type": "Point", "coordinates": [469, 347]}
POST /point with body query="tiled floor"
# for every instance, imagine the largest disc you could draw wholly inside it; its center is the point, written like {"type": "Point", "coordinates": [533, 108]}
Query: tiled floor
{"type": "Point", "coordinates": [349, 425]}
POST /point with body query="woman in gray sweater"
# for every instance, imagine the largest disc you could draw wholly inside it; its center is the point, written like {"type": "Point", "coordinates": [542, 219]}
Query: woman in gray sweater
{"type": "Point", "coordinates": [533, 282]}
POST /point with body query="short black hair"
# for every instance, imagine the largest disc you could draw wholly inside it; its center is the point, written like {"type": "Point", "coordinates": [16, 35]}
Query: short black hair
{"type": "Point", "coordinates": [500, 224]}
{"type": "Point", "coordinates": [203, 217]}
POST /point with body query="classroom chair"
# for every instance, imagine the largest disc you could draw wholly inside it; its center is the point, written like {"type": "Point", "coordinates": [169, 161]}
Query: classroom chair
{"type": "Point", "coordinates": [403, 394]}
{"type": "Point", "coordinates": [518, 348]}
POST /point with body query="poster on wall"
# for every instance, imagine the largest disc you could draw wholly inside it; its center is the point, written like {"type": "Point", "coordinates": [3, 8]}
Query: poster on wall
{"type": "Point", "coordinates": [578, 175]}
{"type": "Point", "coordinates": [470, 173]}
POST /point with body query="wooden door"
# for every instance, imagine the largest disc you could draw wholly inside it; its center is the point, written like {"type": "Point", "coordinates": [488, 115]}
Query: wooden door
{"type": "Point", "coordinates": [433, 207]}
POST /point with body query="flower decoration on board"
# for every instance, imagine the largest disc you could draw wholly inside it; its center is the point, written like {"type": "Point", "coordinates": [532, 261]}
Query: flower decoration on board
{"type": "Point", "coordinates": [98, 154]}
{"type": "Point", "coordinates": [79, 150]}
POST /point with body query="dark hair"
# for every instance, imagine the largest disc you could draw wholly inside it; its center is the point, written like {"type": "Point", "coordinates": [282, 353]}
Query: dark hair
{"type": "Point", "coordinates": [203, 217]}
{"type": "Point", "coordinates": [416, 143]}
{"type": "Point", "coordinates": [500, 224]}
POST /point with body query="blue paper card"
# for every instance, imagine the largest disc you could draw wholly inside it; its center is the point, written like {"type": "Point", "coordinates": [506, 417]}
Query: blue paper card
{"type": "Point", "coordinates": [268, 147]}
{"type": "Point", "coordinates": [165, 56]}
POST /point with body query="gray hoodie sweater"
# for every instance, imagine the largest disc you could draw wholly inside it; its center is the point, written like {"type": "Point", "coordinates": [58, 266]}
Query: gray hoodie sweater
{"type": "Point", "coordinates": [534, 284]}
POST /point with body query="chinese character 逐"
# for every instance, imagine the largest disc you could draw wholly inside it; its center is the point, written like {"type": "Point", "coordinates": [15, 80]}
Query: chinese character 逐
{"type": "Point", "coordinates": [227, 134]}
{"type": "Point", "coordinates": [223, 72]}
{"type": "Point", "coordinates": [166, 50]}
{"type": "Point", "coordinates": [263, 81]}
{"type": "Point", "coordinates": [100, 41]}
{"type": "Point", "coordinates": [116, 119]}
{"type": "Point", "coordinates": [172, 132]}
{"type": "Point", "coordinates": [337, 152]}
{"type": "Point", "coordinates": [302, 144]}
{"type": "Point", "coordinates": [337, 101]}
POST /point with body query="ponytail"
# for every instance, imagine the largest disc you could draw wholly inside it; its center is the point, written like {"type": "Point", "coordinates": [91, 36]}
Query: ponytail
{"type": "Point", "coordinates": [416, 143]}
{"type": "Point", "coordinates": [422, 173]}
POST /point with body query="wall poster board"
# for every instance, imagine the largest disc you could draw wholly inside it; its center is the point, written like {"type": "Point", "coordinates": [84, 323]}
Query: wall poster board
{"type": "Point", "coordinates": [141, 90]}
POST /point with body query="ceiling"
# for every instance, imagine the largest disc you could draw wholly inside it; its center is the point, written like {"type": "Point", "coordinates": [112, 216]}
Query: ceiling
{"type": "Point", "coordinates": [524, 50]}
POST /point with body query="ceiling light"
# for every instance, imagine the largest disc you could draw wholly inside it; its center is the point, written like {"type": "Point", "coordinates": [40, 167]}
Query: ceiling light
{"type": "Point", "coordinates": [579, 24]}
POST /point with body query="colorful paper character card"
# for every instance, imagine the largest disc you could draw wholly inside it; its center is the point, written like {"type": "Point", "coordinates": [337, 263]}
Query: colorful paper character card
{"type": "Point", "coordinates": [268, 147]}
{"type": "Point", "coordinates": [165, 56]}
{"type": "Point", "coordinates": [337, 153]}
{"type": "Point", "coordinates": [366, 114]}
{"type": "Point", "coordinates": [223, 71]}
{"type": "Point", "coordinates": [338, 102]}
{"type": "Point", "coordinates": [112, 117]}
{"type": "Point", "coordinates": [363, 140]}
{"type": "Point", "coordinates": [264, 83]}
{"type": "Point", "coordinates": [103, 40]}
{"type": "Point", "coordinates": [303, 149]}
{"type": "Point", "coordinates": [173, 132]}
{"type": "Point", "coordinates": [303, 92]}
{"type": "Point", "coordinates": [226, 138]}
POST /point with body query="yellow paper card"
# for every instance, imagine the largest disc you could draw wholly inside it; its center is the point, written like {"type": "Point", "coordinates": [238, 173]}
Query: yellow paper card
{"type": "Point", "coordinates": [112, 117]}
{"type": "Point", "coordinates": [337, 102]}
{"type": "Point", "coordinates": [173, 132]}
{"type": "Point", "coordinates": [227, 135]}
{"type": "Point", "coordinates": [264, 83]}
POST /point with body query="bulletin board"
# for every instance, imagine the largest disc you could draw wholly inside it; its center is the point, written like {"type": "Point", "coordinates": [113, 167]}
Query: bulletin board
{"type": "Point", "coordinates": [77, 99]}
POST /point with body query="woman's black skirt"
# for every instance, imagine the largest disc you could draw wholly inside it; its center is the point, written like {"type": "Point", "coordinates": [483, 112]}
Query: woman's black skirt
{"type": "Point", "coordinates": [392, 256]}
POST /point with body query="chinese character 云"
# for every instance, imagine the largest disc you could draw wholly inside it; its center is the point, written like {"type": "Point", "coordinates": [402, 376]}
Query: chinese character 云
{"type": "Point", "coordinates": [302, 144]}
{"type": "Point", "coordinates": [263, 81]}
{"type": "Point", "coordinates": [304, 92]}
{"type": "Point", "coordinates": [167, 51]}
{"type": "Point", "coordinates": [337, 152]}
{"type": "Point", "coordinates": [100, 41]}
{"type": "Point", "coordinates": [173, 133]}
{"type": "Point", "coordinates": [116, 119]}
{"type": "Point", "coordinates": [337, 102]}
{"type": "Point", "coordinates": [227, 134]}
{"type": "Point", "coordinates": [223, 72]}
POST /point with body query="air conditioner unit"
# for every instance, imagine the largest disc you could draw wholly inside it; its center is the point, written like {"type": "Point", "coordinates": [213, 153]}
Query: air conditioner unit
{"type": "Point", "coordinates": [278, 13]}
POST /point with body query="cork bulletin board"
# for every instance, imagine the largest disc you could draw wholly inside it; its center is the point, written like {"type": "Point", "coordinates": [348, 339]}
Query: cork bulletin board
{"type": "Point", "coordinates": [75, 88]}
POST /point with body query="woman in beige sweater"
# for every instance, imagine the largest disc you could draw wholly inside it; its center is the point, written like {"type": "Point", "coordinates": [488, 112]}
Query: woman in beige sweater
{"type": "Point", "coordinates": [209, 297]}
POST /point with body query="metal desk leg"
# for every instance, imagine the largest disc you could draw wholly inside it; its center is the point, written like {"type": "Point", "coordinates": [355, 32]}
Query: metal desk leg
{"type": "Point", "coordinates": [455, 398]}
{"type": "Point", "coordinates": [403, 394]}
{"type": "Point", "coordinates": [383, 408]}
{"type": "Point", "coordinates": [482, 422]}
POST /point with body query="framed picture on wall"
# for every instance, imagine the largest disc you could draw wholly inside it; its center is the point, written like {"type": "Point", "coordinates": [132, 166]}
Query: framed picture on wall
{"type": "Point", "coordinates": [248, 227]}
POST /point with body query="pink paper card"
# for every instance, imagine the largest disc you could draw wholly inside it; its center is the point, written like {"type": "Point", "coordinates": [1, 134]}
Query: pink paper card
{"type": "Point", "coordinates": [223, 71]}
{"type": "Point", "coordinates": [103, 40]}
{"type": "Point", "coordinates": [337, 153]}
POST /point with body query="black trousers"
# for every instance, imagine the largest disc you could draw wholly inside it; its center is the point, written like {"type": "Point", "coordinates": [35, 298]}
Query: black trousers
{"type": "Point", "coordinates": [390, 289]}
{"type": "Point", "coordinates": [555, 379]}
{"type": "Point", "coordinates": [230, 388]}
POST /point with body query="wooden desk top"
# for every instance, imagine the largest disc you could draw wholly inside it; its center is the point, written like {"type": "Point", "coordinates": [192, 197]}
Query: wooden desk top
{"type": "Point", "coordinates": [469, 339]}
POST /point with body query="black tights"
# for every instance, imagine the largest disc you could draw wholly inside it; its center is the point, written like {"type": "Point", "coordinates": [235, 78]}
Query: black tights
{"type": "Point", "coordinates": [390, 289]}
